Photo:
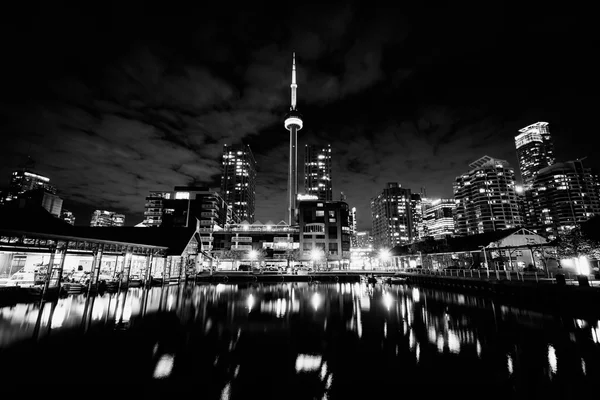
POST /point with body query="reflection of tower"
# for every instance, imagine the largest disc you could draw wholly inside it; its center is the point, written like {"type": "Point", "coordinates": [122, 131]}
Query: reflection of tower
{"type": "Point", "coordinates": [293, 123]}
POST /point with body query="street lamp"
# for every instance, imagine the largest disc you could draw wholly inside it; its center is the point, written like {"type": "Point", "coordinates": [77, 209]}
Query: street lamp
{"type": "Point", "coordinates": [253, 255]}
{"type": "Point", "coordinates": [384, 255]}
{"type": "Point", "coordinates": [315, 255]}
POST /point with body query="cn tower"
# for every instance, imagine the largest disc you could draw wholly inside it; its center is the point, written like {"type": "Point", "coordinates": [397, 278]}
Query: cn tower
{"type": "Point", "coordinates": [293, 123]}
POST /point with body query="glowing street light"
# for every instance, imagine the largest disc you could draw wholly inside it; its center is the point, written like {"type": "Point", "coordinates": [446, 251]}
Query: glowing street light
{"type": "Point", "coordinates": [252, 255]}
{"type": "Point", "coordinates": [315, 255]}
{"type": "Point", "coordinates": [384, 256]}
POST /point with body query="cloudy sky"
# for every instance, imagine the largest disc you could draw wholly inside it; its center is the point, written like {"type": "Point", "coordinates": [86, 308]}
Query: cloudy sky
{"type": "Point", "coordinates": [113, 103]}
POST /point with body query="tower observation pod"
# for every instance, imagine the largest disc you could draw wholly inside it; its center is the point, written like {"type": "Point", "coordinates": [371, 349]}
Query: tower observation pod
{"type": "Point", "coordinates": [293, 123]}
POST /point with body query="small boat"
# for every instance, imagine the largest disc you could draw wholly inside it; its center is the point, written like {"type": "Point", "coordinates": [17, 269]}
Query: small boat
{"type": "Point", "coordinates": [73, 288]}
{"type": "Point", "coordinates": [372, 279]}
{"type": "Point", "coordinates": [398, 280]}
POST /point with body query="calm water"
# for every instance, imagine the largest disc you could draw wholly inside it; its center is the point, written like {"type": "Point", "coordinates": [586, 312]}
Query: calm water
{"type": "Point", "coordinates": [298, 341]}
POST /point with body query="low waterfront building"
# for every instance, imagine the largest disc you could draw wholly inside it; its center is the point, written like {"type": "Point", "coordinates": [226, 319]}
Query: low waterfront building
{"type": "Point", "coordinates": [32, 240]}
{"type": "Point", "coordinates": [325, 233]}
{"type": "Point", "coordinates": [509, 249]}
{"type": "Point", "coordinates": [256, 244]}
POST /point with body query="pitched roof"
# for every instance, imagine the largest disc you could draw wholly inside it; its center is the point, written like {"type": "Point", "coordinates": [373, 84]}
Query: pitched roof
{"type": "Point", "coordinates": [38, 220]}
{"type": "Point", "coordinates": [454, 244]}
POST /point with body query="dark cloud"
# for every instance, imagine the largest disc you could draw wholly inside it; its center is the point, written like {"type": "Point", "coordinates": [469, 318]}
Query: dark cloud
{"type": "Point", "coordinates": [111, 107]}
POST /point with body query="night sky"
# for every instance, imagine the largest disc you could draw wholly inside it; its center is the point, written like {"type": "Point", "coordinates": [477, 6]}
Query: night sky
{"type": "Point", "coordinates": [112, 103]}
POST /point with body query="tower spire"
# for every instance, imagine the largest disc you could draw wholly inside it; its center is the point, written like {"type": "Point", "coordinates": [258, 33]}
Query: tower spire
{"type": "Point", "coordinates": [293, 85]}
{"type": "Point", "coordinates": [293, 123]}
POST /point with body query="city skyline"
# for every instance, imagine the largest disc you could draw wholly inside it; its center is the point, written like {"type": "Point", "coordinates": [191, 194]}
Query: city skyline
{"type": "Point", "coordinates": [397, 102]}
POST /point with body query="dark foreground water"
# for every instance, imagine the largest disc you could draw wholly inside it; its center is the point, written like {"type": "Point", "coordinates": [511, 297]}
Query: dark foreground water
{"type": "Point", "coordinates": [296, 341]}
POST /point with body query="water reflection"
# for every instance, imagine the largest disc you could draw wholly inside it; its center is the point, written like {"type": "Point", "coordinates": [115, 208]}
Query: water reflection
{"type": "Point", "coordinates": [318, 340]}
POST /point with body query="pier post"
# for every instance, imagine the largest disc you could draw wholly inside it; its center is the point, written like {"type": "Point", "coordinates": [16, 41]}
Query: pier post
{"type": "Point", "coordinates": [49, 269]}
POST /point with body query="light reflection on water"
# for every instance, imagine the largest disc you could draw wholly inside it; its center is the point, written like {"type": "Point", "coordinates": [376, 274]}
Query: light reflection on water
{"type": "Point", "coordinates": [321, 339]}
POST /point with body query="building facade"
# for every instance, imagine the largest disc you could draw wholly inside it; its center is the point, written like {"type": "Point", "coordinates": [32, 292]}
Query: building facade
{"type": "Point", "coordinates": [238, 181]}
{"type": "Point", "coordinates": [104, 218]}
{"type": "Point", "coordinates": [563, 195]}
{"type": "Point", "coordinates": [324, 233]}
{"type": "Point", "coordinates": [274, 244]}
{"type": "Point", "coordinates": [352, 223]}
{"type": "Point", "coordinates": [485, 198]}
{"type": "Point", "coordinates": [438, 218]}
{"type": "Point", "coordinates": [67, 216]}
{"type": "Point", "coordinates": [186, 206]}
{"type": "Point", "coordinates": [391, 214]}
{"type": "Point", "coordinates": [416, 210]}
{"type": "Point", "coordinates": [317, 172]}
{"type": "Point", "coordinates": [535, 151]}
{"type": "Point", "coordinates": [364, 239]}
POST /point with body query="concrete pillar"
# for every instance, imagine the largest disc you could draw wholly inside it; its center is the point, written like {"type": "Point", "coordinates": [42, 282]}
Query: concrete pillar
{"type": "Point", "coordinates": [116, 266]}
{"type": "Point", "coordinates": [95, 272]}
{"type": "Point", "coordinates": [148, 269]}
{"type": "Point", "coordinates": [166, 271]}
{"type": "Point", "coordinates": [62, 264]}
{"type": "Point", "coordinates": [180, 268]}
{"type": "Point", "coordinates": [127, 265]}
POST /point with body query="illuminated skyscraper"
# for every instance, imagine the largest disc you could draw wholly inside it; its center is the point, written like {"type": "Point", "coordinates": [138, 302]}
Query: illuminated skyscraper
{"type": "Point", "coordinates": [293, 123]}
{"type": "Point", "coordinates": [391, 213]}
{"type": "Point", "coordinates": [438, 220]}
{"type": "Point", "coordinates": [485, 198]}
{"type": "Point", "coordinates": [317, 171]}
{"type": "Point", "coordinates": [67, 216]}
{"type": "Point", "coordinates": [24, 180]}
{"type": "Point", "coordinates": [534, 151]}
{"type": "Point", "coordinates": [238, 181]}
{"type": "Point", "coordinates": [103, 218]}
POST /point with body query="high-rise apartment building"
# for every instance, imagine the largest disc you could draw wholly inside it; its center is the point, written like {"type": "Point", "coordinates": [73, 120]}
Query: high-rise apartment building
{"type": "Point", "coordinates": [352, 224]}
{"type": "Point", "coordinates": [391, 213]}
{"type": "Point", "coordinates": [534, 151]}
{"type": "Point", "coordinates": [238, 181]}
{"type": "Point", "coordinates": [562, 196]}
{"type": "Point", "coordinates": [103, 218]}
{"type": "Point", "coordinates": [438, 218]}
{"type": "Point", "coordinates": [416, 210]}
{"type": "Point", "coordinates": [67, 216]}
{"type": "Point", "coordinates": [485, 198]}
{"type": "Point", "coordinates": [317, 172]}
